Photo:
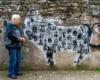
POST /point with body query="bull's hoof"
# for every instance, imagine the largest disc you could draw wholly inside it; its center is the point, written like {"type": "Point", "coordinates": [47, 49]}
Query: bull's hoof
{"type": "Point", "coordinates": [51, 63]}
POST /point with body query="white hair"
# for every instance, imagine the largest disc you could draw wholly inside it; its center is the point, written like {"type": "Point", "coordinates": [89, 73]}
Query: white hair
{"type": "Point", "coordinates": [15, 16]}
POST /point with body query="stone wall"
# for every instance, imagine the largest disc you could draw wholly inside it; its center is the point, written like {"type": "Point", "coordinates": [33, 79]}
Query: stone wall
{"type": "Point", "coordinates": [32, 57]}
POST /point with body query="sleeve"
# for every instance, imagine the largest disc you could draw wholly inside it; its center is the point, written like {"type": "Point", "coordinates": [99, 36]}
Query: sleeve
{"type": "Point", "coordinates": [11, 35]}
{"type": "Point", "coordinates": [22, 32]}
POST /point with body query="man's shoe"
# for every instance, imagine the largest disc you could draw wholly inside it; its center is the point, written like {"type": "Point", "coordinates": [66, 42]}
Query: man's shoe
{"type": "Point", "coordinates": [19, 74]}
{"type": "Point", "coordinates": [13, 77]}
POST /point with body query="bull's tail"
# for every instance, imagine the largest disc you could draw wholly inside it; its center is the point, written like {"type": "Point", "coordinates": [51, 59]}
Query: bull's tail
{"type": "Point", "coordinates": [89, 29]}
{"type": "Point", "coordinates": [89, 32]}
{"type": "Point", "coordinates": [95, 46]}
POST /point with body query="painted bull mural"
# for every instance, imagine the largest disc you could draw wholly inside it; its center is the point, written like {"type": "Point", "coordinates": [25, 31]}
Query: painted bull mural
{"type": "Point", "coordinates": [52, 38]}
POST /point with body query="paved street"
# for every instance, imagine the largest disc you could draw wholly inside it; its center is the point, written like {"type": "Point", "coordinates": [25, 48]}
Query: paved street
{"type": "Point", "coordinates": [55, 75]}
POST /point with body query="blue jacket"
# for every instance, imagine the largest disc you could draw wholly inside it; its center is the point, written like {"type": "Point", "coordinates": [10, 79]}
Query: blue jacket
{"type": "Point", "coordinates": [11, 35]}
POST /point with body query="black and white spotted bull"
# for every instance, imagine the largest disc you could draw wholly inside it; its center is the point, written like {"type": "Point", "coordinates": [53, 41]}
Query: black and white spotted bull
{"type": "Point", "coordinates": [52, 38]}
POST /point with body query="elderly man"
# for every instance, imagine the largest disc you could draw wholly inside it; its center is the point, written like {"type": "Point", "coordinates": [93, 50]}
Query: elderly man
{"type": "Point", "coordinates": [14, 39]}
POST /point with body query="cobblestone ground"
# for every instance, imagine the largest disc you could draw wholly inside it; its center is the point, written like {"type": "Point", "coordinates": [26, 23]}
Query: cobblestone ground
{"type": "Point", "coordinates": [55, 75]}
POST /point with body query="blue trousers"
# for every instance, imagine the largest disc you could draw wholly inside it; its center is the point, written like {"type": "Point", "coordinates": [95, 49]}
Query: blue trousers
{"type": "Point", "coordinates": [15, 56]}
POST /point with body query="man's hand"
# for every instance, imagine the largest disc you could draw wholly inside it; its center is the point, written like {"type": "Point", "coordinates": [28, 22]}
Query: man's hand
{"type": "Point", "coordinates": [22, 39]}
